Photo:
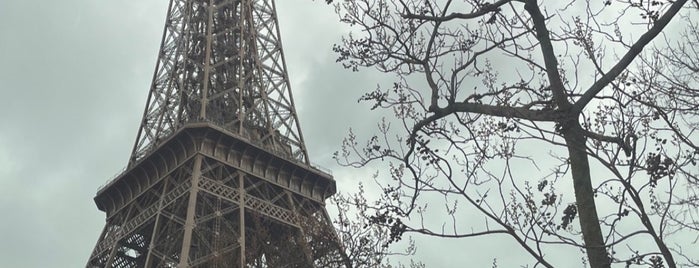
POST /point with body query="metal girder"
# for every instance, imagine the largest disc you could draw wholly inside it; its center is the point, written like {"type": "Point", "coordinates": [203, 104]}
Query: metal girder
{"type": "Point", "coordinates": [203, 215]}
{"type": "Point", "coordinates": [221, 61]}
{"type": "Point", "coordinates": [256, 204]}
{"type": "Point", "coordinates": [147, 214]}
{"type": "Point", "coordinates": [219, 175]}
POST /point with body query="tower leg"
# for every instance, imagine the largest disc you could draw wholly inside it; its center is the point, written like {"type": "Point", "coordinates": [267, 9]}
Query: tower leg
{"type": "Point", "coordinates": [151, 243]}
{"type": "Point", "coordinates": [241, 188]}
{"type": "Point", "coordinates": [191, 211]}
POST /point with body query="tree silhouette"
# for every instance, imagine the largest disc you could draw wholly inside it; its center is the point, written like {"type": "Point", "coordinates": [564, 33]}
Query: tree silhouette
{"type": "Point", "coordinates": [567, 123]}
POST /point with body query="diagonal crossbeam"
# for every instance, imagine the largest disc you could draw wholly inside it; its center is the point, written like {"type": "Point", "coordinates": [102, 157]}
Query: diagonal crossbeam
{"type": "Point", "coordinates": [135, 222]}
{"type": "Point", "coordinates": [220, 70]}
{"type": "Point", "coordinates": [251, 202]}
{"type": "Point", "coordinates": [222, 62]}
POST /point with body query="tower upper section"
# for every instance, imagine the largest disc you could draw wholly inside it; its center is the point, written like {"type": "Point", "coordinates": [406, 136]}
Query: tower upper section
{"type": "Point", "coordinates": [221, 62]}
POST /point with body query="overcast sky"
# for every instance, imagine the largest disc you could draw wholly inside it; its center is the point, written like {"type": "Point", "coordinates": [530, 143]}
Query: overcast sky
{"type": "Point", "coordinates": [74, 76]}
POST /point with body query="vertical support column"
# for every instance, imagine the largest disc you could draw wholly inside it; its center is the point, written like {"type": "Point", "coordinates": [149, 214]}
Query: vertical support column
{"type": "Point", "coordinates": [154, 233]}
{"type": "Point", "coordinates": [191, 211]}
{"type": "Point", "coordinates": [241, 204]}
{"type": "Point", "coordinates": [242, 76]}
{"type": "Point", "coordinates": [207, 61]}
{"type": "Point", "coordinates": [305, 247]}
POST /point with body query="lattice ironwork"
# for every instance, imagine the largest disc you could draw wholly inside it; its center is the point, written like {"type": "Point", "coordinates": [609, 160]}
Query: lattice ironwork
{"type": "Point", "coordinates": [221, 61]}
{"type": "Point", "coordinates": [147, 214]}
{"type": "Point", "coordinates": [219, 175]}
{"type": "Point", "coordinates": [258, 205]}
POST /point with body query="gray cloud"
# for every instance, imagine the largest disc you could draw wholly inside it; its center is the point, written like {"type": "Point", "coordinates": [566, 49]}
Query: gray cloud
{"type": "Point", "coordinates": [74, 76]}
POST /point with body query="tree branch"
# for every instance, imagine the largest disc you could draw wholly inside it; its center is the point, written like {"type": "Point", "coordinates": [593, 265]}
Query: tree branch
{"type": "Point", "coordinates": [619, 141]}
{"type": "Point", "coordinates": [550, 61]}
{"type": "Point", "coordinates": [630, 55]}
{"type": "Point", "coordinates": [480, 12]}
{"type": "Point", "coordinates": [505, 111]}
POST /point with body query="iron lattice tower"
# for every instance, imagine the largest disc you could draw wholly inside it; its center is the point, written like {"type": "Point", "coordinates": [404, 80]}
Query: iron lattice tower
{"type": "Point", "coordinates": [219, 175]}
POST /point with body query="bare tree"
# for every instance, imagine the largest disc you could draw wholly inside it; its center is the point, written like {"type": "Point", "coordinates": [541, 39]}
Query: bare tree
{"type": "Point", "coordinates": [361, 243]}
{"type": "Point", "coordinates": [351, 244]}
{"type": "Point", "coordinates": [503, 108]}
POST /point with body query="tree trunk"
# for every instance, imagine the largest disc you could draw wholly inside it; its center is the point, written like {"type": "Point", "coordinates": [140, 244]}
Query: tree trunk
{"type": "Point", "coordinates": [585, 197]}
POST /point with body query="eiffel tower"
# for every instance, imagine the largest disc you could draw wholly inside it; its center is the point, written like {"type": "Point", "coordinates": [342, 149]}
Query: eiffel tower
{"type": "Point", "coordinates": [219, 175]}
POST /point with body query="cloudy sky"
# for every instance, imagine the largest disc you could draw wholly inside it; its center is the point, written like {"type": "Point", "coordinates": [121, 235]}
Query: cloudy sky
{"type": "Point", "coordinates": [74, 76]}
